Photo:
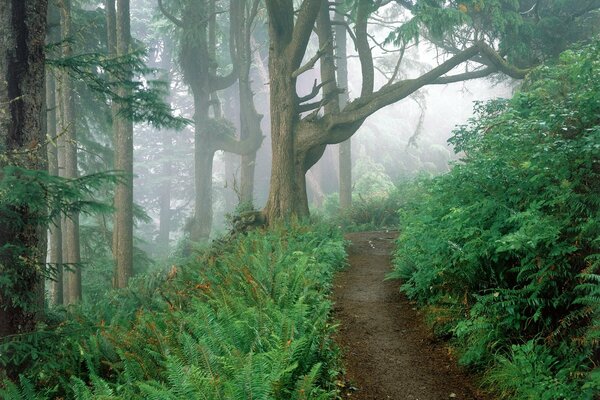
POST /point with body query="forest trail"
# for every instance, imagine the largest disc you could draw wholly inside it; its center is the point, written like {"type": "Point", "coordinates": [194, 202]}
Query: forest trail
{"type": "Point", "coordinates": [388, 351]}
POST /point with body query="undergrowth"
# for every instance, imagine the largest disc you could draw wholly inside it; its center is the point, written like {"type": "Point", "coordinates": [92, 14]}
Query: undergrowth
{"type": "Point", "coordinates": [504, 249]}
{"type": "Point", "coordinates": [247, 319]}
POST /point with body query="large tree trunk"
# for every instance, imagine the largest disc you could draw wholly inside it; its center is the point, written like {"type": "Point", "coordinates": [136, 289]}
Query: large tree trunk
{"type": "Point", "coordinates": [22, 129]}
{"type": "Point", "coordinates": [70, 231]}
{"type": "Point", "coordinates": [123, 223]}
{"type": "Point", "coordinates": [345, 148]}
{"type": "Point", "coordinates": [282, 201]}
{"type": "Point", "coordinates": [55, 258]}
{"type": "Point", "coordinates": [203, 167]}
{"type": "Point", "coordinates": [287, 194]}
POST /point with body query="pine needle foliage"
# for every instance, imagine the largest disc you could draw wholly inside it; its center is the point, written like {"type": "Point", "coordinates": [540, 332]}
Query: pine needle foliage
{"type": "Point", "coordinates": [246, 319]}
{"type": "Point", "coordinates": [508, 240]}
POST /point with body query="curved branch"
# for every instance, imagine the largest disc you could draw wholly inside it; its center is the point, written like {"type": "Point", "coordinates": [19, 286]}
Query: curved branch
{"type": "Point", "coordinates": [481, 73]}
{"type": "Point", "coordinates": [364, 50]}
{"type": "Point", "coordinates": [501, 63]}
{"type": "Point", "coordinates": [307, 16]}
{"type": "Point", "coordinates": [313, 93]}
{"type": "Point", "coordinates": [311, 63]}
{"type": "Point", "coordinates": [238, 146]}
{"type": "Point", "coordinates": [223, 82]}
{"type": "Point", "coordinates": [168, 15]}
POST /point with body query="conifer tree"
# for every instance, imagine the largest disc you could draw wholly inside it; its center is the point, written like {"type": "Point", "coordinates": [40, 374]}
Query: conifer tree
{"type": "Point", "coordinates": [55, 255]}
{"type": "Point", "coordinates": [22, 132]}
{"type": "Point", "coordinates": [70, 226]}
{"type": "Point", "coordinates": [123, 131]}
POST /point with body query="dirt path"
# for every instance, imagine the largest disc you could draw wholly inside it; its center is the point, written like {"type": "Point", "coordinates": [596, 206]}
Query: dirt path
{"type": "Point", "coordinates": [388, 351]}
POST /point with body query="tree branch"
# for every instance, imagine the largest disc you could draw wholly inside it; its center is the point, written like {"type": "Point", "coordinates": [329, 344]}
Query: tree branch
{"type": "Point", "coordinates": [223, 82]}
{"type": "Point", "coordinates": [311, 63]}
{"type": "Point", "coordinates": [238, 146]}
{"type": "Point", "coordinates": [362, 46]}
{"type": "Point", "coordinates": [364, 106]}
{"type": "Point", "coordinates": [313, 93]}
{"type": "Point", "coordinates": [307, 15]}
{"type": "Point", "coordinates": [168, 15]}
{"type": "Point", "coordinates": [481, 73]}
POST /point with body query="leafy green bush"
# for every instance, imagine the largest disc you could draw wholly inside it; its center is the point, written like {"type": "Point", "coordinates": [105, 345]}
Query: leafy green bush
{"type": "Point", "coordinates": [245, 319]}
{"type": "Point", "coordinates": [509, 238]}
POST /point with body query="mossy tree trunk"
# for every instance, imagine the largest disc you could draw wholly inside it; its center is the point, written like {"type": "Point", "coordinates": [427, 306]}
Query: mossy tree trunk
{"type": "Point", "coordinates": [22, 134]}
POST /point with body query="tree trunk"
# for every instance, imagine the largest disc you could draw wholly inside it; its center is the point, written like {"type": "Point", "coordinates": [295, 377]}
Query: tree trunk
{"type": "Point", "coordinates": [249, 117]}
{"type": "Point", "coordinates": [123, 223]}
{"type": "Point", "coordinates": [55, 258]}
{"type": "Point", "coordinates": [345, 148]}
{"type": "Point", "coordinates": [55, 232]}
{"type": "Point", "coordinates": [287, 194]}
{"type": "Point", "coordinates": [249, 127]}
{"type": "Point", "coordinates": [164, 199]}
{"type": "Point", "coordinates": [203, 167]}
{"type": "Point", "coordinates": [70, 231]}
{"type": "Point", "coordinates": [22, 129]}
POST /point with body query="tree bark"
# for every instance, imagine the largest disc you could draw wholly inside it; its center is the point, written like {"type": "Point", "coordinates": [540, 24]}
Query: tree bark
{"type": "Point", "coordinates": [345, 148]}
{"type": "Point", "coordinates": [22, 129]}
{"type": "Point", "coordinates": [123, 222]}
{"type": "Point", "coordinates": [70, 229]}
{"type": "Point", "coordinates": [288, 41]}
{"type": "Point", "coordinates": [164, 199]}
{"type": "Point", "coordinates": [242, 18]}
{"type": "Point", "coordinates": [55, 258]}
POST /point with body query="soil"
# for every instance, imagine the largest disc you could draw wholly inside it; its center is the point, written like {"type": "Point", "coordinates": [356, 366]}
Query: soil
{"type": "Point", "coordinates": [388, 351]}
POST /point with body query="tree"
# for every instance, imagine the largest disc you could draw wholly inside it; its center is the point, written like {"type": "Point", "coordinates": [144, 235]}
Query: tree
{"type": "Point", "coordinates": [68, 146]}
{"type": "Point", "coordinates": [302, 130]}
{"type": "Point", "coordinates": [22, 132]}
{"type": "Point", "coordinates": [55, 256]}
{"type": "Point", "coordinates": [211, 134]}
{"type": "Point", "coordinates": [123, 142]}
{"type": "Point", "coordinates": [345, 148]}
{"type": "Point", "coordinates": [242, 17]}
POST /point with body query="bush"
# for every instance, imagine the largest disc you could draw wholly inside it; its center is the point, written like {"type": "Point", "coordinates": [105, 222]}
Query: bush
{"type": "Point", "coordinates": [509, 238]}
{"type": "Point", "coordinates": [248, 319]}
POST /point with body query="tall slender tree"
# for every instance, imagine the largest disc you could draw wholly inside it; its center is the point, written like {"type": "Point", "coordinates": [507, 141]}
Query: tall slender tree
{"type": "Point", "coordinates": [22, 133]}
{"type": "Point", "coordinates": [70, 227]}
{"type": "Point", "coordinates": [123, 142]}
{"type": "Point", "coordinates": [55, 232]}
{"type": "Point", "coordinates": [345, 148]}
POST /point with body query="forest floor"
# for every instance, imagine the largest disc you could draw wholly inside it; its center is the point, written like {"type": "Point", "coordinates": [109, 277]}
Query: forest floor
{"type": "Point", "coordinates": [388, 351]}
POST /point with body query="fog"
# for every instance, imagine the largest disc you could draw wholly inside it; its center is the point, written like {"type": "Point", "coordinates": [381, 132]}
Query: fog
{"type": "Point", "coordinates": [400, 141]}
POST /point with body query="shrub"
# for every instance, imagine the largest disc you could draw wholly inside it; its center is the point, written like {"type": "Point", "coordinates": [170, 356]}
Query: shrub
{"type": "Point", "coordinates": [510, 236]}
{"type": "Point", "coordinates": [248, 319]}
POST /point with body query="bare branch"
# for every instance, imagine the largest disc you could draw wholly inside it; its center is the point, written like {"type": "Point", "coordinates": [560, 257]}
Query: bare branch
{"type": "Point", "coordinates": [311, 63]}
{"type": "Point", "coordinates": [314, 91]}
